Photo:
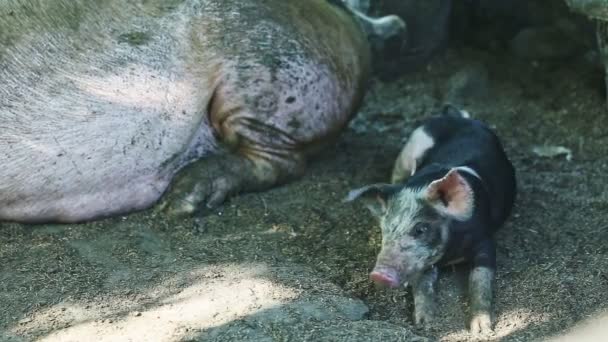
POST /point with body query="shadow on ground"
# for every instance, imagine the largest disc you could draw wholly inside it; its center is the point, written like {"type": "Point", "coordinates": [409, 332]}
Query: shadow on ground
{"type": "Point", "coordinates": [292, 263]}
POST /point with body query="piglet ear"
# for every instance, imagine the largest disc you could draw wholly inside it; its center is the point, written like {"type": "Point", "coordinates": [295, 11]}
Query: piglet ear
{"type": "Point", "coordinates": [452, 195]}
{"type": "Point", "coordinates": [375, 196]}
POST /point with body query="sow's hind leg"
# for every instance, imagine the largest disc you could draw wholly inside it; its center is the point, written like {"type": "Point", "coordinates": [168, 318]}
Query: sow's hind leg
{"type": "Point", "coordinates": [259, 156]}
{"type": "Point", "coordinates": [272, 105]}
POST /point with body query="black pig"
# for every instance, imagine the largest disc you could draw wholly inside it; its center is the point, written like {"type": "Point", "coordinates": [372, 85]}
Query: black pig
{"type": "Point", "coordinates": [453, 187]}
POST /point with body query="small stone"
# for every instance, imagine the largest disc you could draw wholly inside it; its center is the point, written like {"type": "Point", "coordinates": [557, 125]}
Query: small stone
{"type": "Point", "coordinates": [25, 320]}
{"type": "Point", "coordinates": [352, 309]}
{"type": "Point", "coordinates": [137, 314]}
{"type": "Point", "coordinates": [552, 151]}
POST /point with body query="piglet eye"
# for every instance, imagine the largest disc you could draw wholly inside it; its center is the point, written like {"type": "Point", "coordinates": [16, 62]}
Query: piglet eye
{"type": "Point", "coordinates": [420, 229]}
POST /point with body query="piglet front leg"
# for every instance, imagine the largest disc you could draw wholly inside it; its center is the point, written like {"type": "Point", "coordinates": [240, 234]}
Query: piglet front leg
{"type": "Point", "coordinates": [424, 296]}
{"type": "Point", "coordinates": [481, 289]}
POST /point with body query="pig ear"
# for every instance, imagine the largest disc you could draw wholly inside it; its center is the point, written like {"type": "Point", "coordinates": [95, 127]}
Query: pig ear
{"type": "Point", "coordinates": [375, 196]}
{"type": "Point", "coordinates": [452, 196]}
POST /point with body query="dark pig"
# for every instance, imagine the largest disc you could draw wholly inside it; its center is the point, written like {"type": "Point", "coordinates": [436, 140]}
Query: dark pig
{"type": "Point", "coordinates": [453, 187]}
{"type": "Point", "coordinates": [432, 24]}
{"type": "Point", "coordinates": [102, 103]}
{"type": "Point", "coordinates": [428, 28]}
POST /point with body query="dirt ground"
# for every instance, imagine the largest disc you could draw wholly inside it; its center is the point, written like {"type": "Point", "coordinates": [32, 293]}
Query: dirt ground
{"type": "Point", "coordinates": [292, 263]}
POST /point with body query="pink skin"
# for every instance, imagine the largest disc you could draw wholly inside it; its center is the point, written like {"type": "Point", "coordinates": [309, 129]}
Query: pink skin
{"type": "Point", "coordinates": [107, 126]}
{"type": "Point", "coordinates": [385, 276]}
{"type": "Point", "coordinates": [392, 275]}
{"type": "Point", "coordinates": [388, 271]}
{"type": "Point", "coordinates": [391, 270]}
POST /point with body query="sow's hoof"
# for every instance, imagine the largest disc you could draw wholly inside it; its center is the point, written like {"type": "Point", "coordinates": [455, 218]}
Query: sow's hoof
{"type": "Point", "coordinates": [199, 187]}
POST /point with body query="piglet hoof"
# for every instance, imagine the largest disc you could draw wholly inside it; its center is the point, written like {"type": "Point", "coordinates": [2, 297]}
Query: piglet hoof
{"type": "Point", "coordinates": [424, 317]}
{"type": "Point", "coordinates": [481, 324]}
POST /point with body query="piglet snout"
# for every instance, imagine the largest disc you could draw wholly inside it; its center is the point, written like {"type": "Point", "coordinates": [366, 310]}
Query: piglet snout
{"type": "Point", "coordinates": [385, 276]}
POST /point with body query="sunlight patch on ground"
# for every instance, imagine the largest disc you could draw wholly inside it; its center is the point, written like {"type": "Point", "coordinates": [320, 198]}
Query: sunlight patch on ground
{"type": "Point", "coordinates": [506, 324]}
{"type": "Point", "coordinates": [593, 329]}
{"type": "Point", "coordinates": [213, 299]}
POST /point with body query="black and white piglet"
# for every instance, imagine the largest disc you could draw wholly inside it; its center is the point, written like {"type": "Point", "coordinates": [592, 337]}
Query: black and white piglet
{"type": "Point", "coordinates": [452, 188]}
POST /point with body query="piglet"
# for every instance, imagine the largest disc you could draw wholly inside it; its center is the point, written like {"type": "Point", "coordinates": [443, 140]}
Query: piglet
{"type": "Point", "coordinates": [452, 188]}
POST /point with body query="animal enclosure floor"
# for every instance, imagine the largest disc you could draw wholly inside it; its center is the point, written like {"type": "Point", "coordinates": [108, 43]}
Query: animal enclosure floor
{"type": "Point", "coordinates": [291, 264]}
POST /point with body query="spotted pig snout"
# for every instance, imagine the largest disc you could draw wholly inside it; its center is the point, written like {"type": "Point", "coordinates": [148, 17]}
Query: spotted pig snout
{"type": "Point", "coordinates": [385, 276]}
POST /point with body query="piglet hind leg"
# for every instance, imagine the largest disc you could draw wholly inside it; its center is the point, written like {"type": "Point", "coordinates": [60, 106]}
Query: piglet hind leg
{"type": "Point", "coordinates": [425, 306]}
{"type": "Point", "coordinates": [481, 289]}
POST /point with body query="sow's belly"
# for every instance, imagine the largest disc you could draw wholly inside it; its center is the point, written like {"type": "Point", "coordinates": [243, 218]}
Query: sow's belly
{"type": "Point", "coordinates": [114, 152]}
{"type": "Point", "coordinates": [91, 126]}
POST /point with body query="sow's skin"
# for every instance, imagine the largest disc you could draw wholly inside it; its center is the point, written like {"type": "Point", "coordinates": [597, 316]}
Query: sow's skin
{"type": "Point", "coordinates": [103, 102]}
{"type": "Point", "coordinates": [453, 187]}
